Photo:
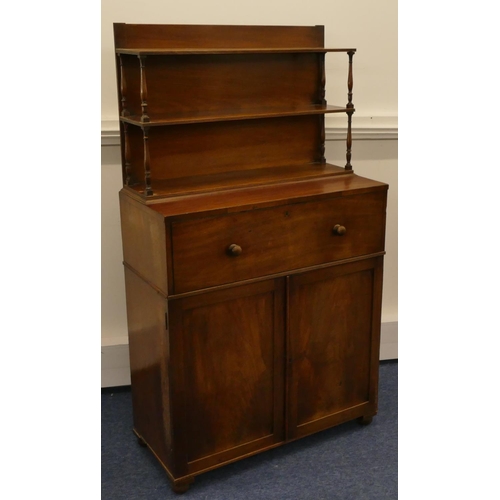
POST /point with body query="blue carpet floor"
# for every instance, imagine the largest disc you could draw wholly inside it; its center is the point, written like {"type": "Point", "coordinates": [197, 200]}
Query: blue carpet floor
{"type": "Point", "coordinates": [348, 462]}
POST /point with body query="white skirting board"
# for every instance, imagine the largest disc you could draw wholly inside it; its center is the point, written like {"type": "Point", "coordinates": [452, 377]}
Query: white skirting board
{"type": "Point", "coordinates": [115, 368]}
{"type": "Point", "coordinates": [389, 340]}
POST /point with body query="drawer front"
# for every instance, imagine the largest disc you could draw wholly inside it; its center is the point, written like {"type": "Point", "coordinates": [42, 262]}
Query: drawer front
{"type": "Point", "coordinates": [224, 249]}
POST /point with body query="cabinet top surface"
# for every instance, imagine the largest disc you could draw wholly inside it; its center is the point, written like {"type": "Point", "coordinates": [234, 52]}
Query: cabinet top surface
{"type": "Point", "coordinates": [262, 196]}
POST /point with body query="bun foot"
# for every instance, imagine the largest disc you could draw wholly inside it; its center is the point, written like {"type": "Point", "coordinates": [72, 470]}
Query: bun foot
{"type": "Point", "coordinates": [365, 420]}
{"type": "Point", "coordinates": [182, 486]}
{"type": "Point", "coordinates": [141, 442]}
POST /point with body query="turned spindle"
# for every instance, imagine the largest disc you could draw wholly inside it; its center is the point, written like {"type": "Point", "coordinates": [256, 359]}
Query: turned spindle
{"type": "Point", "coordinates": [322, 80]}
{"type": "Point", "coordinates": [126, 147]}
{"type": "Point", "coordinates": [321, 148]}
{"type": "Point", "coordinates": [147, 171]}
{"type": "Point", "coordinates": [350, 111]}
{"type": "Point", "coordinates": [144, 91]}
{"type": "Point", "coordinates": [123, 89]}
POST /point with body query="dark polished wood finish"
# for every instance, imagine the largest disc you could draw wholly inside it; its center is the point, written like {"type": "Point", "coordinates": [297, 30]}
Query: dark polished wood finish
{"type": "Point", "coordinates": [275, 240]}
{"type": "Point", "coordinates": [229, 75]}
{"type": "Point", "coordinates": [149, 354]}
{"type": "Point", "coordinates": [332, 378]}
{"type": "Point", "coordinates": [227, 146]}
{"type": "Point", "coordinates": [210, 183]}
{"type": "Point", "coordinates": [230, 347]}
{"type": "Point", "coordinates": [253, 268]}
{"type": "Point", "coordinates": [209, 37]}
{"type": "Point", "coordinates": [350, 111]}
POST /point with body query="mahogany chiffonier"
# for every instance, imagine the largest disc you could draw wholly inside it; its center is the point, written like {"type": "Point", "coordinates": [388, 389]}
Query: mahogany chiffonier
{"type": "Point", "coordinates": [253, 268]}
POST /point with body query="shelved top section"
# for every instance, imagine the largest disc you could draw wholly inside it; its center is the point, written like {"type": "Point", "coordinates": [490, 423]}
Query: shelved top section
{"type": "Point", "coordinates": [197, 51]}
{"type": "Point", "coordinates": [190, 37]}
{"type": "Point", "coordinates": [217, 107]}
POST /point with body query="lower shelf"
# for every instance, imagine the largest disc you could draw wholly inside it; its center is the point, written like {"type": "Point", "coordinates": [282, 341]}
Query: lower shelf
{"type": "Point", "coordinates": [238, 179]}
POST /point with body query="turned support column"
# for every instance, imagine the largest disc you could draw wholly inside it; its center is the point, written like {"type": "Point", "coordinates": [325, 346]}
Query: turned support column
{"type": "Point", "coordinates": [126, 147]}
{"type": "Point", "coordinates": [322, 79]}
{"type": "Point", "coordinates": [123, 89]}
{"type": "Point", "coordinates": [144, 91]}
{"type": "Point", "coordinates": [350, 111]}
{"type": "Point", "coordinates": [148, 191]}
{"type": "Point", "coordinates": [321, 101]}
{"type": "Point", "coordinates": [321, 148]}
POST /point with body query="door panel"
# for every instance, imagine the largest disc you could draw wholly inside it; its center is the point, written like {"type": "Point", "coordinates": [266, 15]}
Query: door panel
{"type": "Point", "coordinates": [232, 347]}
{"type": "Point", "coordinates": [334, 331]}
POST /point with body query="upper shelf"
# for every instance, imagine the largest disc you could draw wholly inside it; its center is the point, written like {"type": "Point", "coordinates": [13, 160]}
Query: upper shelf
{"type": "Point", "coordinates": [202, 116]}
{"type": "Point", "coordinates": [217, 51]}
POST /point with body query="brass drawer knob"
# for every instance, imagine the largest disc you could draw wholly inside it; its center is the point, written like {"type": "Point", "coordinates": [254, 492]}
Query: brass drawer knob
{"type": "Point", "coordinates": [234, 250]}
{"type": "Point", "coordinates": [339, 230]}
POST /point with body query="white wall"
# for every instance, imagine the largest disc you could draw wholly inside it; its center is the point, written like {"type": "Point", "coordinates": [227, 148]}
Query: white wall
{"type": "Point", "coordinates": [370, 27]}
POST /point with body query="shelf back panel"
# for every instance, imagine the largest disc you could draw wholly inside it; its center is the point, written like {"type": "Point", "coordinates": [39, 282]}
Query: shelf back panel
{"type": "Point", "coordinates": [180, 86]}
{"type": "Point", "coordinates": [180, 151]}
{"type": "Point", "coordinates": [156, 36]}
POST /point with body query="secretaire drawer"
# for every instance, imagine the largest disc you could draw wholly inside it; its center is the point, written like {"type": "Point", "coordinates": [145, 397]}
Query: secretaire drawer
{"type": "Point", "coordinates": [223, 249]}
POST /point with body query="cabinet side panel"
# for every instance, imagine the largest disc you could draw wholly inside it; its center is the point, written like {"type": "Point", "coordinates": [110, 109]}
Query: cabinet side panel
{"type": "Point", "coordinates": [149, 360]}
{"type": "Point", "coordinates": [144, 241]}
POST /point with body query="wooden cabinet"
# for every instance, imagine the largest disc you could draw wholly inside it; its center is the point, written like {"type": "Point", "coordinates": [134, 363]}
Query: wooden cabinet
{"type": "Point", "coordinates": [253, 268]}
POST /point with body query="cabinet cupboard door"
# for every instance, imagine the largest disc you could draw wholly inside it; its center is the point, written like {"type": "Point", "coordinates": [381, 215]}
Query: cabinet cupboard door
{"type": "Point", "coordinates": [333, 345]}
{"type": "Point", "coordinates": [227, 359]}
